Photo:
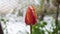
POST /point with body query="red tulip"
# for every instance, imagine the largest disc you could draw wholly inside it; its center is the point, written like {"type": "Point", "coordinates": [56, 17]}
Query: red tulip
{"type": "Point", "coordinates": [30, 17]}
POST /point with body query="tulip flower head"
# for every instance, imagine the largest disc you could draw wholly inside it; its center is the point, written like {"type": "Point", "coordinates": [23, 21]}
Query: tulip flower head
{"type": "Point", "coordinates": [30, 17]}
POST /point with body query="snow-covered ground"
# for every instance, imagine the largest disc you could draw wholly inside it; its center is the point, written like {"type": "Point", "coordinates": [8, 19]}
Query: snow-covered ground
{"type": "Point", "coordinates": [16, 25]}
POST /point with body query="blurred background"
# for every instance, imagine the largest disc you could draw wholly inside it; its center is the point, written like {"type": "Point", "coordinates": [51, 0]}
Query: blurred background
{"type": "Point", "coordinates": [12, 16]}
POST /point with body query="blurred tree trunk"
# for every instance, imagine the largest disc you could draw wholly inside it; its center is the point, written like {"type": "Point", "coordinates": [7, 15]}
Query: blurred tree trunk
{"type": "Point", "coordinates": [56, 20]}
{"type": "Point", "coordinates": [47, 1]}
{"type": "Point", "coordinates": [42, 13]}
{"type": "Point", "coordinates": [57, 14]}
{"type": "Point", "coordinates": [45, 10]}
{"type": "Point", "coordinates": [56, 3]}
{"type": "Point", "coordinates": [1, 31]}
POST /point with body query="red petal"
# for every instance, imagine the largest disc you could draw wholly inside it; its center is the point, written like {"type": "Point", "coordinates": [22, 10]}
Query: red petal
{"type": "Point", "coordinates": [30, 17]}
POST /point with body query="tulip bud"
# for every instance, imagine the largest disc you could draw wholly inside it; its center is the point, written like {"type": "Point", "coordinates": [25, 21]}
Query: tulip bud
{"type": "Point", "coordinates": [30, 17]}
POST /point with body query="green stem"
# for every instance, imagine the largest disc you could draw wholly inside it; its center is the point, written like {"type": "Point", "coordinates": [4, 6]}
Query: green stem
{"type": "Point", "coordinates": [30, 29]}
